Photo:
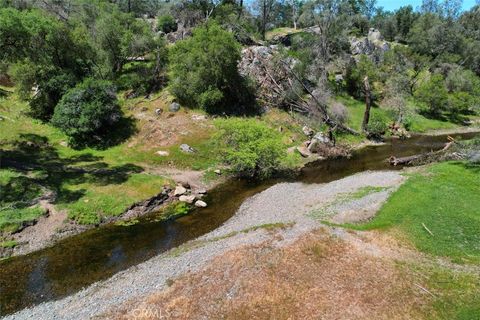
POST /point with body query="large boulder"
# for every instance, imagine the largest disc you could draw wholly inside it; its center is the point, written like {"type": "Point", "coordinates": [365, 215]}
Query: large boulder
{"type": "Point", "coordinates": [373, 45]}
{"type": "Point", "coordinates": [319, 142]}
{"type": "Point", "coordinates": [304, 152]}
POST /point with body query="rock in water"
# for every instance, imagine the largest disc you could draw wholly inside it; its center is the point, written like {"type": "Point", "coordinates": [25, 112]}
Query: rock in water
{"type": "Point", "coordinates": [174, 107]}
{"type": "Point", "coordinates": [200, 204]}
{"type": "Point", "coordinates": [186, 148]}
{"type": "Point", "coordinates": [179, 190]}
{"type": "Point", "coordinates": [187, 199]}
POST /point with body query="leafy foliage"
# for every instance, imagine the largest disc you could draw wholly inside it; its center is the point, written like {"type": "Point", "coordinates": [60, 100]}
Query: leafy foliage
{"type": "Point", "coordinates": [377, 126]}
{"type": "Point", "coordinates": [433, 94]}
{"type": "Point", "coordinates": [166, 23]}
{"type": "Point", "coordinates": [204, 72]}
{"type": "Point", "coordinates": [250, 148]}
{"type": "Point", "coordinates": [87, 112]}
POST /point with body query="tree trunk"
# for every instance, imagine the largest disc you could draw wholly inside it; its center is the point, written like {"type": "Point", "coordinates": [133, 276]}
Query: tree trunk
{"type": "Point", "coordinates": [264, 19]}
{"type": "Point", "coordinates": [368, 103]}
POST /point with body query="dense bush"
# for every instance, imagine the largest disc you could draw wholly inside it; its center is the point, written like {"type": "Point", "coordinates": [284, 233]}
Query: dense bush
{"type": "Point", "coordinates": [250, 148]}
{"type": "Point", "coordinates": [377, 126]}
{"type": "Point", "coordinates": [204, 72]}
{"type": "Point", "coordinates": [87, 112]}
{"type": "Point", "coordinates": [434, 95]}
{"type": "Point", "coordinates": [166, 23]}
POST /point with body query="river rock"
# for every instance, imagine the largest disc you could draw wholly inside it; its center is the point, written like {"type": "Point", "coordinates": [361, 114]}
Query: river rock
{"type": "Point", "coordinates": [304, 152]}
{"type": "Point", "coordinates": [200, 204]}
{"type": "Point", "coordinates": [202, 191]}
{"type": "Point", "coordinates": [158, 111]}
{"type": "Point", "coordinates": [174, 107]}
{"type": "Point", "coordinates": [179, 190]}
{"type": "Point", "coordinates": [186, 148]}
{"type": "Point", "coordinates": [187, 199]}
{"type": "Point", "coordinates": [218, 172]}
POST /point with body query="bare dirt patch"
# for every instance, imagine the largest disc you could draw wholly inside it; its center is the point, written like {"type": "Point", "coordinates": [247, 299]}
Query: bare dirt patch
{"type": "Point", "coordinates": [317, 277]}
{"type": "Point", "coordinates": [42, 232]}
{"type": "Point", "coordinates": [164, 128]}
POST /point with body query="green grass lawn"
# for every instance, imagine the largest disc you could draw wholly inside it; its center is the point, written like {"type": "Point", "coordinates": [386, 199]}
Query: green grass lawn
{"type": "Point", "coordinates": [12, 219]}
{"type": "Point", "coordinates": [356, 109]}
{"type": "Point", "coordinates": [89, 197]}
{"type": "Point", "coordinates": [419, 123]}
{"type": "Point", "coordinates": [446, 200]}
{"type": "Point", "coordinates": [98, 200]}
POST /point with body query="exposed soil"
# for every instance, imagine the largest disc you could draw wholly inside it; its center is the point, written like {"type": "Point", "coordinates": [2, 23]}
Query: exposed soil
{"type": "Point", "coordinates": [319, 276]}
{"type": "Point", "coordinates": [42, 232]}
{"type": "Point", "coordinates": [166, 128]}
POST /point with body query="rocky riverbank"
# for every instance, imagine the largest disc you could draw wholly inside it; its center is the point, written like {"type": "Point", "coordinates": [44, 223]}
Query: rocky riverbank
{"type": "Point", "coordinates": [280, 214]}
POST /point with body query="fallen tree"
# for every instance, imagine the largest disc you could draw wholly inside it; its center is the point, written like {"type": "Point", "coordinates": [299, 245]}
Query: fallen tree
{"type": "Point", "coordinates": [423, 157]}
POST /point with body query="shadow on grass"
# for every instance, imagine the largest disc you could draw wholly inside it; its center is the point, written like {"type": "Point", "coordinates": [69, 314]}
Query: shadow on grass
{"type": "Point", "coordinates": [109, 137]}
{"type": "Point", "coordinates": [456, 118]}
{"type": "Point", "coordinates": [42, 168]}
{"type": "Point", "coordinates": [472, 166]}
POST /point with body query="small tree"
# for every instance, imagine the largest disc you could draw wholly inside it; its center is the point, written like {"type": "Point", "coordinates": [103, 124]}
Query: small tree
{"type": "Point", "coordinates": [204, 72]}
{"type": "Point", "coordinates": [434, 95]}
{"type": "Point", "coordinates": [87, 112]}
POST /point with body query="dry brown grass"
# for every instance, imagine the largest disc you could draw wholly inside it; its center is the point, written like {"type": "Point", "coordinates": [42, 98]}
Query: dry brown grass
{"type": "Point", "coordinates": [168, 128]}
{"type": "Point", "coordinates": [317, 277]}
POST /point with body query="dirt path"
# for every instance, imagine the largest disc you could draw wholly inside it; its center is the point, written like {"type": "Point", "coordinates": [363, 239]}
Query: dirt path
{"type": "Point", "coordinates": [38, 236]}
{"type": "Point", "coordinates": [277, 217]}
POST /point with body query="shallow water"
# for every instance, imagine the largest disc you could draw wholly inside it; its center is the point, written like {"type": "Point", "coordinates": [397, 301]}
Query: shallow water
{"type": "Point", "coordinates": [97, 254]}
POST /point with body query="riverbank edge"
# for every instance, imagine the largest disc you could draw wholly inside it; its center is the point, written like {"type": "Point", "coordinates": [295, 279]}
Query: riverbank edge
{"type": "Point", "coordinates": [147, 206]}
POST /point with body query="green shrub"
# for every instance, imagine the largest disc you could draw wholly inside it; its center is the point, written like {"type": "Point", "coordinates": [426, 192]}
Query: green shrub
{"type": "Point", "coordinates": [87, 112]}
{"type": "Point", "coordinates": [462, 103]}
{"type": "Point", "coordinates": [204, 72]}
{"type": "Point", "coordinates": [377, 126]}
{"type": "Point", "coordinates": [434, 95]}
{"type": "Point", "coordinates": [166, 23]}
{"type": "Point", "coordinates": [250, 148]}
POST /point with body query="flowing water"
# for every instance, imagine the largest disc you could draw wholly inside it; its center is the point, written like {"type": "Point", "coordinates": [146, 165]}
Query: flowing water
{"type": "Point", "coordinates": [97, 254]}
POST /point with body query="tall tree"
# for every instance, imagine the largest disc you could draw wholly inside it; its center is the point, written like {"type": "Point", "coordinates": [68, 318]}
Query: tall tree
{"type": "Point", "coordinates": [265, 10]}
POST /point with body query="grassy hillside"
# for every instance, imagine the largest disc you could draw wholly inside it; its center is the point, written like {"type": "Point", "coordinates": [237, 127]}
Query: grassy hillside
{"type": "Point", "coordinates": [92, 184]}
